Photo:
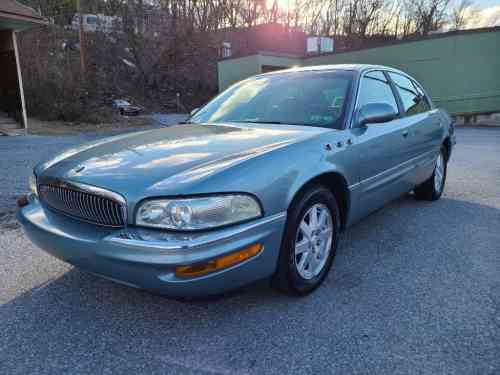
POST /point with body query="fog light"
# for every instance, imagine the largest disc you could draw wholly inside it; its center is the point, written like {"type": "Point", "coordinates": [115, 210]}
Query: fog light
{"type": "Point", "coordinates": [218, 263]}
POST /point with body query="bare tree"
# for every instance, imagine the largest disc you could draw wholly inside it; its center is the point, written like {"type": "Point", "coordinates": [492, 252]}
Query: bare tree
{"type": "Point", "coordinates": [331, 17]}
{"type": "Point", "coordinates": [366, 14]}
{"type": "Point", "coordinates": [385, 22]}
{"type": "Point", "coordinates": [428, 15]}
{"type": "Point", "coordinates": [231, 13]}
{"type": "Point", "coordinates": [460, 12]}
{"type": "Point", "coordinates": [251, 11]}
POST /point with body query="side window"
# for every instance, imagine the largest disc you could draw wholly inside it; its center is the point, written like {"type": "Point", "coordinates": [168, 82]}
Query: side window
{"type": "Point", "coordinates": [413, 99]}
{"type": "Point", "coordinates": [375, 88]}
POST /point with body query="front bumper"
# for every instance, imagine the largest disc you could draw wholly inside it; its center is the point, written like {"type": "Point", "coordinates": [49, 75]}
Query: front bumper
{"type": "Point", "coordinates": [147, 259]}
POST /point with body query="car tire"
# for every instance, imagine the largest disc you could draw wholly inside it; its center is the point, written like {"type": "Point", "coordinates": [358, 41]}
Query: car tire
{"type": "Point", "coordinates": [293, 275]}
{"type": "Point", "coordinates": [433, 188]}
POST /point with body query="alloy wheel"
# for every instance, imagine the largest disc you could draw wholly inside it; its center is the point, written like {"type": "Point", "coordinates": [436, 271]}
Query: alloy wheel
{"type": "Point", "coordinates": [313, 241]}
{"type": "Point", "coordinates": [439, 173]}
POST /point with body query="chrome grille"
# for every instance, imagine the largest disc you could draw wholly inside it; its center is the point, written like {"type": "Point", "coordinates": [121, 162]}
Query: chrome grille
{"type": "Point", "coordinates": [83, 205]}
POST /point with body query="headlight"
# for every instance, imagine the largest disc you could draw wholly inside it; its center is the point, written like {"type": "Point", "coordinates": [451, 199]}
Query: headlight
{"type": "Point", "coordinates": [198, 213]}
{"type": "Point", "coordinates": [32, 184]}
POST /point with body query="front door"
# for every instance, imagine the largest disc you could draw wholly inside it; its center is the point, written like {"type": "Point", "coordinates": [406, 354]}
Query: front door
{"type": "Point", "coordinates": [382, 149]}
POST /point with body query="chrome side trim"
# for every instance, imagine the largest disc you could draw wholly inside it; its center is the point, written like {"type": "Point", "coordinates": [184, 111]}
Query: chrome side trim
{"type": "Point", "coordinates": [185, 241]}
{"type": "Point", "coordinates": [354, 186]}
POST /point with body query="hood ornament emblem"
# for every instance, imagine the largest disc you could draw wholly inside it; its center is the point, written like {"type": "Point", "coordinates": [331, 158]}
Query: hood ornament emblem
{"type": "Point", "coordinates": [79, 169]}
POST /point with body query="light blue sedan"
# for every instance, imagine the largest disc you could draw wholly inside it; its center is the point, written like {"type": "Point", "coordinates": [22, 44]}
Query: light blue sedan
{"type": "Point", "coordinates": [258, 184]}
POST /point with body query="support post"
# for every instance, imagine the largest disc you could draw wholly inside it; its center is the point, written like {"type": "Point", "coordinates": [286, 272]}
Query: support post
{"type": "Point", "coordinates": [20, 82]}
{"type": "Point", "coordinates": [81, 37]}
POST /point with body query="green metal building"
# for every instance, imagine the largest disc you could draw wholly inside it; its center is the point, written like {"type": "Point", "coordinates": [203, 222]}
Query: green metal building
{"type": "Point", "coordinates": [460, 70]}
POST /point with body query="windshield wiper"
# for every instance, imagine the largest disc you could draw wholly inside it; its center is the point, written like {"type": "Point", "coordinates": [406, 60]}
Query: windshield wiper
{"type": "Point", "coordinates": [271, 122]}
{"type": "Point", "coordinates": [258, 122]}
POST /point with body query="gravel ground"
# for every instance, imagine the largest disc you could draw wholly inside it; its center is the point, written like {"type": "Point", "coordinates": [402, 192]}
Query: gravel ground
{"type": "Point", "coordinates": [414, 290]}
{"type": "Point", "coordinates": [18, 157]}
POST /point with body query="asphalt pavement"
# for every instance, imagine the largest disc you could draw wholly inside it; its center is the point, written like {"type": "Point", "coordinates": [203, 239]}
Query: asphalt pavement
{"type": "Point", "coordinates": [414, 289]}
{"type": "Point", "coordinates": [18, 156]}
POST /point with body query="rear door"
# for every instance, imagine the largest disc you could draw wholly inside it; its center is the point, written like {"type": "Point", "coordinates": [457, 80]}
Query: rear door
{"type": "Point", "coordinates": [423, 123]}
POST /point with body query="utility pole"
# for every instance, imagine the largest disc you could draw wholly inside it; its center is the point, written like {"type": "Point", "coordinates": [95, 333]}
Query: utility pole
{"type": "Point", "coordinates": [81, 37]}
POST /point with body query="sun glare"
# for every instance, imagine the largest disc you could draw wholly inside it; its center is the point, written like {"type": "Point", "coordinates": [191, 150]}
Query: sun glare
{"type": "Point", "coordinates": [282, 4]}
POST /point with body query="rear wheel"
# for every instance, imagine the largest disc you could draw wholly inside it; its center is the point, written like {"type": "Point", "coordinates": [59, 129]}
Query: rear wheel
{"type": "Point", "coordinates": [309, 242]}
{"type": "Point", "coordinates": [432, 189]}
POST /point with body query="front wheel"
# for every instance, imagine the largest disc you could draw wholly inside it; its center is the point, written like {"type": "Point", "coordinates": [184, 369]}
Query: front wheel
{"type": "Point", "coordinates": [309, 242]}
{"type": "Point", "coordinates": [432, 189]}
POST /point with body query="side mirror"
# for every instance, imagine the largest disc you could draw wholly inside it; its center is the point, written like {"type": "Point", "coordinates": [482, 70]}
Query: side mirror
{"type": "Point", "coordinates": [193, 112]}
{"type": "Point", "coordinates": [375, 113]}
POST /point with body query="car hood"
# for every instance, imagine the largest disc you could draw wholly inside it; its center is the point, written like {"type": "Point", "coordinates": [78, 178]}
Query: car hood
{"type": "Point", "coordinates": [139, 161]}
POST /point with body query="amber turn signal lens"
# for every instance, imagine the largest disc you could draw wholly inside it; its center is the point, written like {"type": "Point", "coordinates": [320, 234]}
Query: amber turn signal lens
{"type": "Point", "coordinates": [218, 263]}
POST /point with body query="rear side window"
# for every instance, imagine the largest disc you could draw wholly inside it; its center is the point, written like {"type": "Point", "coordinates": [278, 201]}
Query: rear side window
{"type": "Point", "coordinates": [375, 88]}
{"type": "Point", "coordinates": [414, 100]}
{"type": "Point", "coordinates": [422, 94]}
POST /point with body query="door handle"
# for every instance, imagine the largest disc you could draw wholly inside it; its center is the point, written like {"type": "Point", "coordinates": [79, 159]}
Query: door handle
{"type": "Point", "coordinates": [405, 133]}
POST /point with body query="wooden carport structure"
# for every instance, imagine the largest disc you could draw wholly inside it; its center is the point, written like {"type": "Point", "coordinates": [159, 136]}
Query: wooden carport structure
{"type": "Point", "coordinates": [14, 17]}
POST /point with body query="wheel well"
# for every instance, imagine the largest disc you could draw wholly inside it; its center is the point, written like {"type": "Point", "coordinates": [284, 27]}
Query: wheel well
{"type": "Point", "coordinates": [447, 147]}
{"type": "Point", "coordinates": [337, 184]}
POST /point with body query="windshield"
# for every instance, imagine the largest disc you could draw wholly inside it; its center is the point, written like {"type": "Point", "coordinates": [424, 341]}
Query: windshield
{"type": "Point", "coordinates": [295, 98]}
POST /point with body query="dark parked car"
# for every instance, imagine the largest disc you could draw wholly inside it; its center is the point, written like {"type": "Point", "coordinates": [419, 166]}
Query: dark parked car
{"type": "Point", "coordinates": [125, 108]}
{"type": "Point", "coordinates": [258, 184]}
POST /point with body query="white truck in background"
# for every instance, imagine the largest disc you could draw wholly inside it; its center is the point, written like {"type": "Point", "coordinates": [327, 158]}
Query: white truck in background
{"type": "Point", "coordinates": [96, 22]}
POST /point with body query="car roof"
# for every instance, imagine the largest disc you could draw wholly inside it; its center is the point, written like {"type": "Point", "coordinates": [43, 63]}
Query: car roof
{"type": "Point", "coordinates": [351, 67]}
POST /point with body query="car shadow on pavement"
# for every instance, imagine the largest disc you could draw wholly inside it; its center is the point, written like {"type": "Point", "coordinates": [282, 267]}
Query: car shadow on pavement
{"type": "Point", "coordinates": [410, 261]}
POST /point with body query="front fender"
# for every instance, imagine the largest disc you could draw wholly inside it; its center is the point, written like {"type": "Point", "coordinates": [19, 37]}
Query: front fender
{"type": "Point", "coordinates": [277, 177]}
{"type": "Point", "coordinates": [322, 168]}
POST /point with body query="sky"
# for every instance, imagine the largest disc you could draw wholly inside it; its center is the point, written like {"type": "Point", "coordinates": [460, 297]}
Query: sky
{"type": "Point", "coordinates": [486, 3]}
{"type": "Point", "coordinates": [485, 15]}
{"type": "Point", "coordinates": [478, 3]}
